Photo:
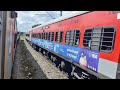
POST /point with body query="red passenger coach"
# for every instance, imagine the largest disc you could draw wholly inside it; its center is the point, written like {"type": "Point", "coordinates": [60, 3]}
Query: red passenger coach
{"type": "Point", "coordinates": [83, 44]}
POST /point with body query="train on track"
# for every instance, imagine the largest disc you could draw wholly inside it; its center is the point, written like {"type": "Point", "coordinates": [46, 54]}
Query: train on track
{"type": "Point", "coordinates": [8, 38]}
{"type": "Point", "coordinates": [84, 44]}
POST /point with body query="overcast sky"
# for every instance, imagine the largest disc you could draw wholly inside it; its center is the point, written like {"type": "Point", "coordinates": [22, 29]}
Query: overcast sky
{"type": "Point", "coordinates": [26, 19]}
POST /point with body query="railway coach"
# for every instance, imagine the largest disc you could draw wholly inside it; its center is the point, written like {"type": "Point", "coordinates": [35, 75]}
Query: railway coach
{"type": "Point", "coordinates": [85, 44]}
{"type": "Point", "coordinates": [8, 37]}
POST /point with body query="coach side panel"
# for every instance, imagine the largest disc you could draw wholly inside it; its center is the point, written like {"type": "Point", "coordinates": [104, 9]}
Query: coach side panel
{"type": "Point", "coordinates": [9, 48]}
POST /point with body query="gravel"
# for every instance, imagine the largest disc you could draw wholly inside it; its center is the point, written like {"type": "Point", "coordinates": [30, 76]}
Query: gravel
{"type": "Point", "coordinates": [25, 66]}
{"type": "Point", "coordinates": [30, 64]}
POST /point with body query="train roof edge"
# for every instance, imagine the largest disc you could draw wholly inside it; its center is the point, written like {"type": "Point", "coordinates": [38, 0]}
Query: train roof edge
{"type": "Point", "coordinates": [73, 14]}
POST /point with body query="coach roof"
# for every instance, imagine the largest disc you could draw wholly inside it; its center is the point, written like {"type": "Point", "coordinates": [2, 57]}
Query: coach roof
{"type": "Point", "coordinates": [75, 13]}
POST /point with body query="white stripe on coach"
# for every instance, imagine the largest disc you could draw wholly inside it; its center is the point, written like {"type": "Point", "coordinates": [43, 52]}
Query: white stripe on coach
{"type": "Point", "coordinates": [107, 68]}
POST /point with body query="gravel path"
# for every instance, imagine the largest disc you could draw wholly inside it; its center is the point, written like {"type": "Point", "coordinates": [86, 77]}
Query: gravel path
{"type": "Point", "coordinates": [25, 66]}
{"type": "Point", "coordinates": [39, 68]}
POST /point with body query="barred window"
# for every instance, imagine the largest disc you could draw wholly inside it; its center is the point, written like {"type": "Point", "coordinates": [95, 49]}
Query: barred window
{"type": "Point", "coordinates": [87, 37]}
{"type": "Point", "coordinates": [39, 35]}
{"type": "Point", "coordinates": [36, 35]}
{"type": "Point", "coordinates": [33, 35]}
{"type": "Point", "coordinates": [72, 37]}
{"type": "Point", "coordinates": [100, 39]}
{"type": "Point", "coordinates": [42, 36]}
{"type": "Point", "coordinates": [107, 39]}
{"type": "Point", "coordinates": [59, 36]}
{"type": "Point", "coordinates": [56, 37]}
{"type": "Point", "coordinates": [51, 36]}
{"type": "Point", "coordinates": [45, 36]}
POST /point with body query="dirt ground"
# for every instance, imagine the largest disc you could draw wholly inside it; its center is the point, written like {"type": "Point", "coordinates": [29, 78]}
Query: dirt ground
{"type": "Point", "coordinates": [25, 66]}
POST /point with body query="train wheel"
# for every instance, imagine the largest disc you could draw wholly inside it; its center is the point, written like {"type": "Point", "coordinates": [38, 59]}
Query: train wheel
{"type": "Point", "coordinates": [55, 60]}
{"type": "Point", "coordinates": [44, 52]}
{"type": "Point", "coordinates": [51, 57]}
{"type": "Point", "coordinates": [34, 46]}
{"type": "Point", "coordinates": [62, 65]}
{"type": "Point", "coordinates": [39, 49]}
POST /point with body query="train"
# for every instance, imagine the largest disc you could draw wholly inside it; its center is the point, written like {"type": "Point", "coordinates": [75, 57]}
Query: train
{"type": "Point", "coordinates": [84, 44]}
{"type": "Point", "coordinates": [8, 39]}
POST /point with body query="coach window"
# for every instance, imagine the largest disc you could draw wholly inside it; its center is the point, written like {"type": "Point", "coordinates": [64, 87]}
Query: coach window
{"type": "Point", "coordinates": [59, 36]}
{"type": "Point", "coordinates": [87, 38]}
{"type": "Point", "coordinates": [39, 35]}
{"type": "Point", "coordinates": [36, 35]}
{"type": "Point", "coordinates": [76, 37]}
{"type": "Point", "coordinates": [100, 39]}
{"type": "Point", "coordinates": [42, 36]}
{"type": "Point", "coordinates": [56, 37]}
{"type": "Point", "coordinates": [67, 37]}
{"type": "Point", "coordinates": [46, 35]}
{"type": "Point", "coordinates": [107, 39]}
{"type": "Point", "coordinates": [51, 36]}
{"type": "Point", "coordinates": [72, 37]}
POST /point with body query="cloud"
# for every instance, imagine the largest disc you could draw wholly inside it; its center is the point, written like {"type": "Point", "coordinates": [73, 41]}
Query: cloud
{"type": "Point", "coordinates": [26, 19]}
